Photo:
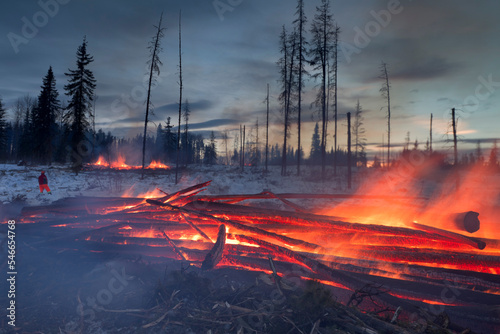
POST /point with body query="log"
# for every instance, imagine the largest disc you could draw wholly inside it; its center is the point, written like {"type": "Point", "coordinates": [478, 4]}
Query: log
{"type": "Point", "coordinates": [267, 195]}
{"type": "Point", "coordinates": [431, 258]}
{"type": "Point", "coordinates": [187, 192]}
{"type": "Point", "coordinates": [473, 242]}
{"type": "Point", "coordinates": [330, 226]}
{"type": "Point", "coordinates": [240, 226]}
{"type": "Point", "coordinates": [190, 223]}
{"type": "Point", "coordinates": [214, 256]}
{"type": "Point", "coordinates": [174, 247]}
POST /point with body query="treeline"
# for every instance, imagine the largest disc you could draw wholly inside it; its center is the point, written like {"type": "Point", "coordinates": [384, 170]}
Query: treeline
{"type": "Point", "coordinates": [43, 131]}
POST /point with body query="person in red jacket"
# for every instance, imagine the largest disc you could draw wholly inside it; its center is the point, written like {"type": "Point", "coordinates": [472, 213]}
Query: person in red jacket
{"type": "Point", "coordinates": [43, 183]}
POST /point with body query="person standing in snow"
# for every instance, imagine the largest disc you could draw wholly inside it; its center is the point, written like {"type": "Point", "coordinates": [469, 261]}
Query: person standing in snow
{"type": "Point", "coordinates": [43, 183]}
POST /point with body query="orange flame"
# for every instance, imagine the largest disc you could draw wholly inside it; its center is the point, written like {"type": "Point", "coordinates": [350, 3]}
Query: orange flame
{"type": "Point", "coordinates": [120, 163]}
{"type": "Point", "coordinates": [157, 165]}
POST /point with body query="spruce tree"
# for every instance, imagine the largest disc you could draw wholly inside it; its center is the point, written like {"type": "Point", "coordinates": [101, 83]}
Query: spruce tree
{"type": "Point", "coordinates": [170, 141]}
{"type": "Point", "coordinates": [210, 154]}
{"type": "Point", "coordinates": [44, 118]}
{"type": "Point", "coordinates": [26, 140]}
{"type": "Point", "coordinates": [359, 136]}
{"type": "Point", "coordinates": [315, 155]}
{"type": "Point", "coordinates": [80, 89]}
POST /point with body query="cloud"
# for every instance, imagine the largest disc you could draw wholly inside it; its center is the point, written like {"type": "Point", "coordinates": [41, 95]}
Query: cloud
{"type": "Point", "coordinates": [215, 123]}
{"type": "Point", "coordinates": [423, 69]}
{"type": "Point", "coordinates": [196, 106]}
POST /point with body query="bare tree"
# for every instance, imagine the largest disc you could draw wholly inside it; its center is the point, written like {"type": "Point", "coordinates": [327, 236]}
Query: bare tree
{"type": "Point", "coordinates": [454, 128]}
{"type": "Point", "coordinates": [180, 104]}
{"type": "Point", "coordinates": [386, 90]}
{"type": "Point", "coordinates": [267, 125]}
{"type": "Point", "coordinates": [335, 85]}
{"type": "Point", "coordinates": [323, 33]}
{"type": "Point", "coordinates": [286, 66]}
{"type": "Point", "coordinates": [430, 135]}
{"type": "Point", "coordinates": [300, 23]}
{"type": "Point", "coordinates": [154, 62]}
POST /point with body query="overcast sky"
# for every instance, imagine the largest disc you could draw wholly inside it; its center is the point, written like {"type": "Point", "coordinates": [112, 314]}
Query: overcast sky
{"type": "Point", "coordinates": [441, 54]}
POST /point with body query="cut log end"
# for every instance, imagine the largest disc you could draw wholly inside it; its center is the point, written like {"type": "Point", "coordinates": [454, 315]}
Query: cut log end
{"type": "Point", "coordinates": [467, 221]}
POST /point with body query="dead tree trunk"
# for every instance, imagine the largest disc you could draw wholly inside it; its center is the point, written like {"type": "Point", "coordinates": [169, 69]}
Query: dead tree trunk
{"type": "Point", "coordinates": [154, 68]}
{"type": "Point", "coordinates": [180, 105]}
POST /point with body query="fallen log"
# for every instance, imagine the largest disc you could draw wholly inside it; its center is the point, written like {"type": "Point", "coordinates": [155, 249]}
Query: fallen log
{"type": "Point", "coordinates": [473, 242]}
{"type": "Point", "coordinates": [187, 192]}
{"type": "Point", "coordinates": [431, 258]}
{"type": "Point", "coordinates": [259, 215]}
{"type": "Point", "coordinates": [268, 195]}
{"type": "Point", "coordinates": [174, 247]}
{"type": "Point", "coordinates": [240, 226]}
{"type": "Point", "coordinates": [188, 221]}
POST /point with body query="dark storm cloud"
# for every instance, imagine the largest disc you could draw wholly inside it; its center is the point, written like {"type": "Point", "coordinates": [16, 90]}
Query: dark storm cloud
{"type": "Point", "coordinates": [481, 140]}
{"type": "Point", "coordinates": [195, 106]}
{"type": "Point", "coordinates": [423, 69]}
{"type": "Point", "coordinates": [214, 123]}
{"type": "Point", "coordinates": [121, 121]}
{"type": "Point", "coordinates": [406, 60]}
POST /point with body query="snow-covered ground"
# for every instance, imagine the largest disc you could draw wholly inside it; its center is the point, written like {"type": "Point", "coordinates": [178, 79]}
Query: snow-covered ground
{"type": "Point", "coordinates": [479, 190]}
{"type": "Point", "coordinates": [21, 183]}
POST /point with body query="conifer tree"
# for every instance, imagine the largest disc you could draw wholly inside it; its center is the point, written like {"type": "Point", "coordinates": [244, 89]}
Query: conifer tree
{"type": "Point", "coordinates": [210, 154]}
{"type": "Point", "coordinates": [170, 141]}
{"type": "Point", "coordinates": [80, 89]}
{"type": "Point", "coordinates": [359, 136]}
{"type": "Point", "coordinates": [315, 155]}
{"type": "Point", "coordinates": [44, 118]}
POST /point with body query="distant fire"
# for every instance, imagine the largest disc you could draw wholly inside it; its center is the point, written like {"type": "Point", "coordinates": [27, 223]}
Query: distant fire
{"type": "Point", "coordinates": [120, 163]}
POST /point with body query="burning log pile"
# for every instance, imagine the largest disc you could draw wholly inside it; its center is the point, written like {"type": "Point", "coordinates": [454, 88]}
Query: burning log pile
{"type": "Point", "coordinates": [423, 272]}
